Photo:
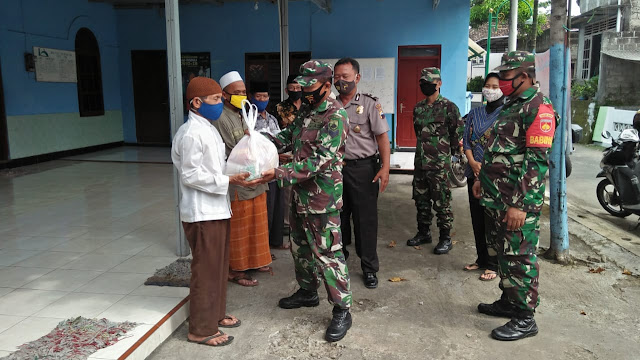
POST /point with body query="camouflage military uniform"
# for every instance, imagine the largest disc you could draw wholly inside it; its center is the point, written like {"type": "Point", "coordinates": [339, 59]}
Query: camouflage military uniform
{"type": "Point", "coordinates": [286, 113]}
{"type": "Point", "coordinates": [512, 175]}
{"type": "Point", "coordinates": [317, 138]}
{"type": "Point", "coordinates": [438, 130]}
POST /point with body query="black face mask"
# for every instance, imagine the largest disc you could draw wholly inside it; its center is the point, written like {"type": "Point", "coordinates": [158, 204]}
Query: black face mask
{"type": "Point", "coordinates": [295, 95]}
{"type": "Point", "coordinates": [345, 87]}
{"type": "Point", "coordinates": [313, 97]}
{"type": "Point", "coordinates": [427, 89]}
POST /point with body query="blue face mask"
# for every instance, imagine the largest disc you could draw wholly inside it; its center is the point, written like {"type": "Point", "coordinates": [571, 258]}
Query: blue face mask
{"type": "Point", "coordinates": [211, 112]}
{"type": "Point", "coordinates": [260, 104]}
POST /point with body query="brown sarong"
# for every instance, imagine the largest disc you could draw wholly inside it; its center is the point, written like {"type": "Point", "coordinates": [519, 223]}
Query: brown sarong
{"type": "Point", "coordinates": [249, 247]}
{"type": "Point", "coordinates": [209, 243]}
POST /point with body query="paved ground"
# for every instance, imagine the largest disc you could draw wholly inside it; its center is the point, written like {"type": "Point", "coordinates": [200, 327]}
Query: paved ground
{"type": "Point", "coordinates": [433, 314]}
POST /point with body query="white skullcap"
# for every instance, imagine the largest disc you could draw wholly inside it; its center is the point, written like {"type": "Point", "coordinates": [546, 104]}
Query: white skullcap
{"type": "Point", "coordinates": [228, 78]}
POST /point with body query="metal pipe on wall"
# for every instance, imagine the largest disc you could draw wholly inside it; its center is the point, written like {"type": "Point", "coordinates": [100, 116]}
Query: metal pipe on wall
{"type": "Point", "coordinates": [174, 69]}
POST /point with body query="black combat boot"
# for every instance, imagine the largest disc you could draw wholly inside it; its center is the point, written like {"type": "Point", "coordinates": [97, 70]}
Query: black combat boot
{"type": "Point", "coordinates": [521, 326]}
{"type": "Point", "coordinates": [500, 308]}
{"type": "Point", "coordinates": [422, 237]}
{"type": "Point", "coordinates": [300, 298]}
{"type": "Point", "coordinates": [444, 245]}
{"type": "Point", "coordinates": [370, 280]}
{"type": "Point", "coordinates": [340, 323]}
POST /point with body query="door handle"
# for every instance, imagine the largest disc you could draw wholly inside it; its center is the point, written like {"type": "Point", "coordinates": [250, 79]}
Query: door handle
{"type": "Point", "coordinates": [401, 108]}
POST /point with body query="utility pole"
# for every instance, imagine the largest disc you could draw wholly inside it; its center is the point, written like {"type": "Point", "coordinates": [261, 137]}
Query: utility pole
{"type": "Point", "coordinates": [534, 33]}
{"type": "Point", "coordinates": [513, 26]}
{"type": "Point", "coordinates": [559, 249]}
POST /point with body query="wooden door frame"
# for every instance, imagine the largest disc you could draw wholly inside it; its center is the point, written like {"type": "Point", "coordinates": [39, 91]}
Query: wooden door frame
{"type": "Point", "coordinates": [4, 136]}
{"type": "Point", "coordinates": [438, 58]}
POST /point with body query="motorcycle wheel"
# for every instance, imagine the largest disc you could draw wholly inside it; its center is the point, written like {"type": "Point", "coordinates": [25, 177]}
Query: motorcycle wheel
{"type": "Point", "coordinates": [606, 192]}
{"type": "Point", "coordinates": [457, 172]}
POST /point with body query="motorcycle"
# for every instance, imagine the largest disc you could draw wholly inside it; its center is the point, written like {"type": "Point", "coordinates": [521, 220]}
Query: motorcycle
{"type": "Point", "coordinates": [458, 165]}
{"type": "Point", "coordinates": [619, 191]}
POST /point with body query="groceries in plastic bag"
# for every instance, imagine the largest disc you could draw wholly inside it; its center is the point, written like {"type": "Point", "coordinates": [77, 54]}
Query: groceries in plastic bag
{"type": "Point", "coordinates": [253, 154]}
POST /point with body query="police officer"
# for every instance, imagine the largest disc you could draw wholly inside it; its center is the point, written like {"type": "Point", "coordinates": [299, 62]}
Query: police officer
{"type": "Point", "coordinates": [317, 136]}
{"type": "Point", "coordinates": [438, 130]}
{"type": "Point", "coordinates": [364, 176]}
{"type": "Point", "coordinates": [511, 188]}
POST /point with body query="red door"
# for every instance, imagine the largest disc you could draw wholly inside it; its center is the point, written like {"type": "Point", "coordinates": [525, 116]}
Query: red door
{"type": "Point", "coordinates": [411, 61]}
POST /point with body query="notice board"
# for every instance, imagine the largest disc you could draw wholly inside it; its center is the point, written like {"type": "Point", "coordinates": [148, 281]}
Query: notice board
{"type": "Point", "coordinates": [53, 65]}
{"type": "Point", "coordinates": [378, 78]}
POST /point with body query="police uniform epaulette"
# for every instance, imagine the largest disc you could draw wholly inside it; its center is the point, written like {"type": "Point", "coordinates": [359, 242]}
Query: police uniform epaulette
{"type": "Point", "coordinates": [371, 96]}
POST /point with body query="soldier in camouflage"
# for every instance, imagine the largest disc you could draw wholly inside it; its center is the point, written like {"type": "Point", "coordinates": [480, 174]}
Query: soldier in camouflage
{"type": "Point", "coordinates": [317, 137]}
{"type": "Point", "coordinates": [439, 129]}
{"type": "Point", "coordinates": [511, 188]}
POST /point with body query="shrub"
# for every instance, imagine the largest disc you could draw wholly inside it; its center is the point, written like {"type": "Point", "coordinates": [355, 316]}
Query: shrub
{"type": "Point", "coordinates": [475, 84]}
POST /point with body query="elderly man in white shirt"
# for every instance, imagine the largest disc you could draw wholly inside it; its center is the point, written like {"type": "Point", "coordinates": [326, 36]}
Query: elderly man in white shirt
{"type": "Point", "coordinates": [198, 153]}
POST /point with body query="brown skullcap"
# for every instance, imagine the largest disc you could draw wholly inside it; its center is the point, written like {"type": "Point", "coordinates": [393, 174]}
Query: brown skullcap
{"type": "Point", "coordinates": [202, 86]}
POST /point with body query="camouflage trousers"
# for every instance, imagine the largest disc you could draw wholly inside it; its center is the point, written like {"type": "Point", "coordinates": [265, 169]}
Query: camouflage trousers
{"type": "Point", "coordinates": [432, 187]}
{"type": "Point", "coordinates": [517, 260]}
{"type": "Point", "coordinates": [317, 252]}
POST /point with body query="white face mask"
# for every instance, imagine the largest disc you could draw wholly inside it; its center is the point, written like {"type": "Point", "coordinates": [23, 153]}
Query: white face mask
{"type": "Point", "coordinates": [491, 94]}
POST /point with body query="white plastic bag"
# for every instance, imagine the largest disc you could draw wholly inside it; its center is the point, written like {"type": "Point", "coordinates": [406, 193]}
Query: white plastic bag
{"type": "Point", "coordinates": [254, 153]}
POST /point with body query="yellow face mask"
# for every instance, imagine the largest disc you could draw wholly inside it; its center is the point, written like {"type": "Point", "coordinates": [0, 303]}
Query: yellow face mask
{"type": "Point", "coordinates": [236, 100]}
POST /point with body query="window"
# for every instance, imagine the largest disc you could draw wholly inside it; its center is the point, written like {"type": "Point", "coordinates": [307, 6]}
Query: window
{"type": "Point", "coordinates": [90, 97]}
{"type": "Point", "coordinates": [586, 54]}
{"type": "Point", "coordinates": [592, 43]}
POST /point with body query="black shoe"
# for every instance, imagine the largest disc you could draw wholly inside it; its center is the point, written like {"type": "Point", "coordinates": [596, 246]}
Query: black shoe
{"type": "Point", "coordinates": [444, 245]}
{"type": "Point", "coordinates": [500, 308]}
{"type": "Point", "coordinates": [518, 328]}
{"type": "Point", "coordinates": [300, 298]}
{"type": "Point", "coordinates": [422, 237]}
{"type": "Point", "coordinates": [340, 323]}
{"type": "Point", "coordinates": [370, 280]}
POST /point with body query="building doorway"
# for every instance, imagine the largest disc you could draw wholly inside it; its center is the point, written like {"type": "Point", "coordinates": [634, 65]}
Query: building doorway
{"type": "Point", "coordinates": [151, 97]}
{"type": "Point", "coordinates": [411, 61]}
{"type": "Point", "coordinates": [266, 67]}
{"type": "Point", "coordinates": [4, 138]}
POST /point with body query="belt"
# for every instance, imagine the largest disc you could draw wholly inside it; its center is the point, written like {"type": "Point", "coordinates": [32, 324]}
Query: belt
{"type": "Point", "coordinates": [364, 161]}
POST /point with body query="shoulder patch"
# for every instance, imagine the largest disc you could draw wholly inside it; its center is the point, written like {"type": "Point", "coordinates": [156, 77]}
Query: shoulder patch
{"type": "Point", "coordinates": [540, 133]}
{"type": "Point", "coordinates": [371, 96]}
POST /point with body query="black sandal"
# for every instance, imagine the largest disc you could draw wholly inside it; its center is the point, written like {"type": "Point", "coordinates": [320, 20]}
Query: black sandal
{"type": "Point", "coordinates": [206, 340]}
{"type": "Point", "coordinates": [235, 325]}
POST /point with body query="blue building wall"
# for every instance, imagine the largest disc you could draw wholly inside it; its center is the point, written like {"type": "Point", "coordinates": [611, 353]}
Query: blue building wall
{"type": "Point", "coordinates": [43, 117]}
{"type": "Point", "coordinates": [229, 31]}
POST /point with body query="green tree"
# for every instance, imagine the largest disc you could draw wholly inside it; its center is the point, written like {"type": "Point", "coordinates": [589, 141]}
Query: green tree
{"type": "Point", "coordinates": [480, 14]}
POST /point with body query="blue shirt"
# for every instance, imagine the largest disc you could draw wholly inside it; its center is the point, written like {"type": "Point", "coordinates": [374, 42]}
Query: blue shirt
{"type": "Point", "coordinates": [476, 127]}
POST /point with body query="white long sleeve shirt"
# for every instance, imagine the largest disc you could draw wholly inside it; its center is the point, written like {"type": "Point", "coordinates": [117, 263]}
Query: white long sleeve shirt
{"type": "Point", "coordinates": [198, 153]}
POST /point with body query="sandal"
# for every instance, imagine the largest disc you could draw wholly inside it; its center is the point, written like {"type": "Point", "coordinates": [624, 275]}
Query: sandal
{"type": "Point", "coordinates": [265, 269]}
{"type": "Point", "coordinates": [234, 325]}
{"type": "Point", "coordinates": [471, 267]}
{"type": "Point", "coordinates": [488, 275]}
{"type": "Point", "coordinates": [236, 279]}
{"type": "Point", "coordinates": [206, 340]}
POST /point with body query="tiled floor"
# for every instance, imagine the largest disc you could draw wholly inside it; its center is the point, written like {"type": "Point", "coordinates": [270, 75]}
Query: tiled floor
{"type": "Point", "coordinates": [80, 238]}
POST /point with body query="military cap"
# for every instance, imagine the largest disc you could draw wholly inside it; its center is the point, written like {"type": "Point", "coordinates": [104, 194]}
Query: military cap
{"type": "Point", "coordinates": [430, 74]}
{"type": "Point", "coordinates": [517, 60]}
{"type": "Point", "coordinates": [313, 71]}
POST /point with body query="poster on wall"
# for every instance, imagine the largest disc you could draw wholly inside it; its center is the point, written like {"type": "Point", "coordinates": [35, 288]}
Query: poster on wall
{"type": "Point", "coordinates": [53, 65]}
{"type": "Point", "coordinates": [194, 64]}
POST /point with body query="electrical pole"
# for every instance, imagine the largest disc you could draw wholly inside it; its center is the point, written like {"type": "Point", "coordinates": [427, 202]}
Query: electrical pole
{"type": "Point", "coordinates": [559, 249]}
{"type": "Point", "coordinates": [513, 26]}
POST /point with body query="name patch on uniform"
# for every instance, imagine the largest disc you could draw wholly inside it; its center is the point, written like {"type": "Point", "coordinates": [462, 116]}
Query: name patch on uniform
{"type": "Point", "coordinates": [540, 133]}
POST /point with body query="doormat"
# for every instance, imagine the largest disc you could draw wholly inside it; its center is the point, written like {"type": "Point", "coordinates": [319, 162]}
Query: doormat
{"type": "Point", "coordinates": [73, 339]}
{"type": "Point", "coordinates": [178, 273]}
